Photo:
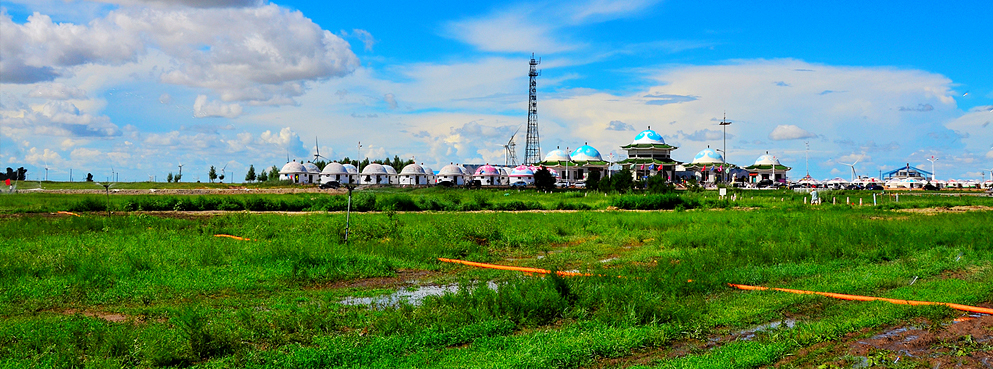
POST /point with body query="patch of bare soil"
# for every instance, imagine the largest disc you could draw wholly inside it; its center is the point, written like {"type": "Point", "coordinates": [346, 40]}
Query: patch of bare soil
{"type": "Point", "coordinates": [404, 277]}
{"type": "Point", "coordinates": [966, 343]}
{"type": "Point", "coordinates": [953, 209]}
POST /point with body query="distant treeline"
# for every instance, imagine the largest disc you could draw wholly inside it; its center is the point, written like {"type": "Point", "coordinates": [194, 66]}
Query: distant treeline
{"type": "Point", "coordinates": [14, 175]}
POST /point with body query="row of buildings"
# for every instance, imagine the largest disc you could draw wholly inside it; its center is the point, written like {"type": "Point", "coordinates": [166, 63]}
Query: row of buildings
{"type": "Point", "coordinates": [647, 155]}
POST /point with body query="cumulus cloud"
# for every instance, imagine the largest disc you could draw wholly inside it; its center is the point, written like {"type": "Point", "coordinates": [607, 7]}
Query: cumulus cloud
{"type": "Point", "coordinates": [56, 91]}
{"type": "Point", "coordinates": [261, 54]}
{"type": "Point", "coordinates": [286, 138]}
{"type": "Point", "coordinates": [663, 99]}
{"type": "Point", "coordinates": [165, 98]}
{"type": "Point", "coordinates": [202, 108]}
{"type": "Point", "coordinates": [37, 156]}
{"type": "Point", "coordinates": [616, 125]}
{"type": "Point", "coordinates": [190, 3]}
{"type": "Point", "coordinates": [54, 118]}
{"type": "Point", "coordinates": [789, 132]}
{"type": "Point", "coordinates": [704, 135]}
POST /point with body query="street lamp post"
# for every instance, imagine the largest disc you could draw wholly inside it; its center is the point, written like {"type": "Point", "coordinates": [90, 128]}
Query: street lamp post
{"type": "Point", "coordinates": [724, 123]}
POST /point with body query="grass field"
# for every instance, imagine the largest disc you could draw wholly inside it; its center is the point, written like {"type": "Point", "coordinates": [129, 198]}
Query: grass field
{"type": "Point", "coordinates": [140, 290]}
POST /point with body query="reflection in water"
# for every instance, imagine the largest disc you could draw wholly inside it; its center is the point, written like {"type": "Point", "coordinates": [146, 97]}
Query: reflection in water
{"type": "Point", "coordinates": [413, 296]}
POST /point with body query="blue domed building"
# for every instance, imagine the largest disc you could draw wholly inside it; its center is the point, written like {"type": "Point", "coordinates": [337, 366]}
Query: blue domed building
{"type": "Point", "coordinates": [576, 166]}
{"type": "Point", "coordinates": [767, 167]}
{"type": "Point", "coordinates": [709, 167]}
{"type": "Point", "coordinates": [649, 155]}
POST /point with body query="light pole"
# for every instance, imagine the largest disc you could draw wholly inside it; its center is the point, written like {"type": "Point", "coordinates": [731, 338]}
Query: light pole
{"type": "Point", "coordinates": [932, 160]}
{"type": "Point", "coordinates": [567, 168]}
{"type": "Point", "coordinates": [724, 123]}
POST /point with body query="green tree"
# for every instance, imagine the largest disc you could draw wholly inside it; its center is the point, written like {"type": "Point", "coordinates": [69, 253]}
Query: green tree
{"type": "Point", "coordinates": [658, 184]}
{"type": "Point", "coordinates": [262, 177]}
{"type": "Point", "coordinates": [212, 175]}
{"type": "Point", "coordinates": [623, 181]}
{"type": "Point", "coordinates": [273, 173]}
{"type": "Point", "coordinates": [593, 180]}
{"type": "Point", "coordinates": [177, 178]}
{"type": "Point", "coordinates": [543, 179]}
{"type": "Point", "coordinates": [89, 177]}
{"type": "Point", "coordinates": [169, 178]}
{"type": "Point", "coordinates": [250, 177]}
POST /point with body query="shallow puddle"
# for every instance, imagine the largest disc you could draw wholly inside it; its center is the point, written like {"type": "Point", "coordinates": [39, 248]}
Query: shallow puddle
{"type": "Point", "coordinates": [414, 296]}
{"type": "Point", "coordinates": [749, 334]}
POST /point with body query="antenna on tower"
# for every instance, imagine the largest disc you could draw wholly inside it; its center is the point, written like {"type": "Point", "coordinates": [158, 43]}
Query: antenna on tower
{"type": "Point", "coordinates": [510, 150]}
{"type": "Point", "coordinates": [532, 148]}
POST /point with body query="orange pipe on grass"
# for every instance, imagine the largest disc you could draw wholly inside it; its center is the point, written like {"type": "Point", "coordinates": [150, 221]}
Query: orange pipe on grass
{"type": "Point", "coordinates": [842, 296]}
{"type": "Point", "coordinates": [67, 213]}
{"type": "Point", "coordinates": [234, 237]}
{"type": "Point", "coordinates": [513, 268]}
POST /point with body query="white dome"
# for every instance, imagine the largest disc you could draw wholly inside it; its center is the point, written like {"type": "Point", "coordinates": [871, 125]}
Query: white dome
{"type": "Point", "coordinates": [586, 153]}
{"type": "Point", "coordinates": [412, 169]}
{"type": "Point", "coordinates": [428, 170]}
{"type": "Point", "coordinates": [557, 155]}
{"type": "Point", "coordinates": [311, 167]}
{"type": "Point", "coordinates": [374, 169]}
{"type": "Point", "coordinates": [487, 170]}
{"type": "Point", "coordinates": [708, 156]}
{"type": "Point", "coordinates": [450, 170]}
{"type": "Point", "coordinates": [389, 169]}
{"type": "Point", "coordinates": [293, 167]}
{"type": "Point", "coordinates": [464, 171]}
{"type": "Point", "coordinates": [767, 160]}
{"type": "Point", "coordinates": [334, 169]}
{"type": "Point", "coordinates": [648, 136]}
{"type": "Point", "coordinates": [504, 171]}
{"type": "Point", "coordinates": [351, 168]}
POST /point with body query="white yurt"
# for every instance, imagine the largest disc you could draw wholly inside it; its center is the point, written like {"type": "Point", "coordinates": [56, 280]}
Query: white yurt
{"type": "Point", "coordinates": [313, 172]}
{"type": "Point", "coordinates": [487, 175]}
{"type": "Point", "coordinates": [374, 174]}
{"type": "Point", "coordinates": [522, 174]}
{"type": "Point", "coordinates": [353, 173]}
{"type": "Point", "coordinates": [451, 173]}
{"type": "Point", "coordinates": [294, 172]}
{"type": "Point", "coordinates": [335, 172]}
{"type": "Point", "coordinates": [466, 174]}
{"type": "Point", "coordinates": [504, 176]}
{"type": "Point", "coordinates": [394, 179]}
{"type": "Point", "coordinates": [413, 175]}
{"type": "Point", "coordinates": [429, 173]}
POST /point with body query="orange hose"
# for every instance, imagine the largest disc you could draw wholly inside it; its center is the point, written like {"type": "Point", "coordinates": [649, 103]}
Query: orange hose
{"type": "Point", "coordinates": [973, 309]}
{"type": "Point", "coordinates": [513, 268]}
{"type": "Point", "coordinates": [234, 237]}
{"type": "Point", "coordinates": [67, 213]}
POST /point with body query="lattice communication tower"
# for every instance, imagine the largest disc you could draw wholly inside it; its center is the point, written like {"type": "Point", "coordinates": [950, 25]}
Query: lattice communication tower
{"type": "Point", "coordinates": [532, 149]}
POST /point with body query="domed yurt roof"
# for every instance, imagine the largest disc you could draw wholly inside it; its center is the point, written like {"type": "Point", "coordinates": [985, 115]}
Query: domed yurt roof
{"type": "Point", "coordinates": [351, 168]}
{"type": "Point", "coordinates": [412, 169]}
{"type": "Point", "coordinates": [708, 156]}
{"type": "Point", "coordinates": [767, 160]}
{"type": "Point", "coordinates": [586, 153]}
{"type": "Point", "coordinates": [522, 171]}
{"type": "Point", "coordinates": [450, 170]}
{"type": "Point", "coordinates": [389, 169]}
{"type": "Point", "coordinates": [311, 167]}
{"type": "Point", "coordinates": [293, 167]}
{"type": "Point", "coordinates": [557, 155]}
{"type": "Point", "coordinates": [648, 136]}
{"type": "Point", "coordinates": [334, 169]}
{"type": "Point", "coordinates": [374, 169]}
{"type": "Point", "coordinates": [487, 170]}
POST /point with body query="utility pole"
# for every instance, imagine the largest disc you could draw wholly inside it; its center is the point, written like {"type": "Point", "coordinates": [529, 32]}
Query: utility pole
{"type": "Point", "coordinates": [932, 160]}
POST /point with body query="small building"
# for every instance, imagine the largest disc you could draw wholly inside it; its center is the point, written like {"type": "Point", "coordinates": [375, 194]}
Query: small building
{"type": "Point", "coordinates": [451, 174]}
{"type": "Point", "coordinates": [522, 175]}
{"type": "Point", "coordinates": [767, 167]}
{"type": "Point", "coordinates": [708, 167]}
{"type": "Point", "coordinates": [906, 172]}
{"type": "Point", "coordinates": [353, 173]}
{"type": "Point", "coordinates": [587, 159]}
{"type": "Point", "coordinates": [429, 173]}
{"type": "Point", "coordinates": [413, 175]}
{"type": "Point", "coordinates": [335, 172]}
{"type": "Point", "coordinates": [374, 174]}
{"type": "Point", "coordinates": [505, 176]}
{"type": "Point", "coordinates": [394, 179]}
{"type": "Point", "coordinates": [294, 172]}
{"type": "Point", "coordinates": [487, 175]}
{"type": "Point", "coordinates": [649, 155]}
{"type": "Point", "coordinates": [313, 172]}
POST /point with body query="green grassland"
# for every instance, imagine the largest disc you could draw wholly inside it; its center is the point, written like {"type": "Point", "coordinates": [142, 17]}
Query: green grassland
{"type": "Point", "coordinates": [159, 290]}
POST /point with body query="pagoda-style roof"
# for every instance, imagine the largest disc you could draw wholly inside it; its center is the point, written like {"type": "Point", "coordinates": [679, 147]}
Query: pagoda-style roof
{"type": "Point", "coordinates": [779, 167]}
{"type": "Point", "coordinates": [648, 146]}
{"type": "Point", "coordinates": [648, 161]}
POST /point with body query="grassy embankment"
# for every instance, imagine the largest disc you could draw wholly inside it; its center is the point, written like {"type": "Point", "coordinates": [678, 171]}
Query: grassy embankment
{"type": "Point", "coordinates": [188, 298]}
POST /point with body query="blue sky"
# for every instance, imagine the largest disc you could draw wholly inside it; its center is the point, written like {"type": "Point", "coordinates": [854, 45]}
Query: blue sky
{"type": "Point", "coordinates": [141, 86]}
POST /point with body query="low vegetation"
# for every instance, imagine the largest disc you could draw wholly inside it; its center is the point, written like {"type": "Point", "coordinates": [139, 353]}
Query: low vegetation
{"type": "Point", "coordinates": [160, 290]}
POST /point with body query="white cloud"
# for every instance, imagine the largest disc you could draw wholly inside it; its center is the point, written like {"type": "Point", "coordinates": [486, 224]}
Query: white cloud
{"type": "Point", "coordinates": [262, 54]}
{"type": "Point", "coordinates": [789, 132]}
{"type": "Point", "coordinates": [391, 101]}
{"type": "Point", "coordinates": [54, 118]}
{"type": "Point", "coordinates": [165, 98]}
{"type": "Point", "coordinates": [202, 108]}
{"type": "Point", "coordinates": [70, 143]}
{"type": "Point", "coordinates": [190, 3]}
{"type": "Point", "coordinates": [367, 40]}
{"type": "Point", "coordinates": [37, 156]}
{"type": "Point", "coordinates": [56, 91]}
